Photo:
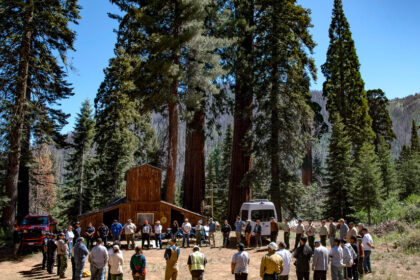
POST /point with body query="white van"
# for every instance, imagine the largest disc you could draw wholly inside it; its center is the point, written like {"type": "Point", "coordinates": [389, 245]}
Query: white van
{"type": "Point", "coordinates": [259, 209]}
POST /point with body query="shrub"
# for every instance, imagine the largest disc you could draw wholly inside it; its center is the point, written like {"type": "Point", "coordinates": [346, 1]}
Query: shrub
{"type": "Point", "coordinates": [409, 243]}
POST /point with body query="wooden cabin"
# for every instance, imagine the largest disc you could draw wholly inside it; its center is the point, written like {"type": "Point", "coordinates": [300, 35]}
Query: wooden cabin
{"type": "Point", "coordinates": [142, 202]}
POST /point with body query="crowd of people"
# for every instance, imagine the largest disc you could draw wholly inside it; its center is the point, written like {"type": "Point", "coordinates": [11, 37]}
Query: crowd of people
{"type": "Point", "coordinates": [349, 256]}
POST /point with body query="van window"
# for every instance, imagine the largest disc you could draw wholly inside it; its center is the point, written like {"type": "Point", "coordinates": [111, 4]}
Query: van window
{"type": "Point", "coordinates": [263, 215]}
{"type": "Point", "coordinates": [244, 215]}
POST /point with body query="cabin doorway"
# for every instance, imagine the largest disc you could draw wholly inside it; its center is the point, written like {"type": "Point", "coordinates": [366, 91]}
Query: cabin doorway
{"type": "Point", "coordinates": [177, 216]}
{"type": "Point", "coordinates": [110, 216]}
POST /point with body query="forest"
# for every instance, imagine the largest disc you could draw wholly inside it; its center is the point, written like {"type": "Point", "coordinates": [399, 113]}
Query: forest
{"type": "Point", "coordinates": [216, 94]}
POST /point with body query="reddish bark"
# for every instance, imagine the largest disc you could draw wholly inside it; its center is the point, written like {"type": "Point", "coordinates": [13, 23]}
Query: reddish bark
{"type": "Point", "coordinates": [307, 167]}
{"type": "Point", "coordinates": [16, 132]}
{"type": "Point", "coordinates": [194, 189]}
{"type": "Point", "coordinates": [172, 145]}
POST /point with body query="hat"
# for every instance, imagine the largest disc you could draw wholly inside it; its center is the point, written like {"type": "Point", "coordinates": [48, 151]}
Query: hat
{"type": "Point", "coordinates": [61, 234]}
{"type": "Point", "coordinates": [77, 223]}
{"type": "Point", "coordinates": [241, 246]}
{"type": "Point", "coordinates": [210, 219]}
{"type": "Point", "coordinates": [300, 220]}
{"type": "Point", "coordinates": [196, 248]}
{"type": "Point", "coordinates": [115, 221]}
{"type": "Point", "coordinates": [99, 240]}
{"type": "Point", "coordinates": [80, 239]}
{"type": "Point", "coordinates": [317, 242]}
{"type": "Point", "coordinates": [272, 246]}
{"type": "Point", "coordinates": [129, 220]}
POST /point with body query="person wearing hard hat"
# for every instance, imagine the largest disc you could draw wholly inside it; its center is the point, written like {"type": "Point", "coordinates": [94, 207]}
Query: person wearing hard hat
{"type": "Point", "coordinates": [271, 264]}
{"type": "Point", "coordinates": [197, 263]}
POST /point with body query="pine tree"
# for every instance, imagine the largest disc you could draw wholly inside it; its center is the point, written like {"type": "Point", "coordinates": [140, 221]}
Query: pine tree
{"type": "Point", "coordinates": [368, 182]}
{"type": "Point", "coordinates": [340, 172]}
{"type": "Point", "coordinates": [78, 173]}
{"type": "Point", "coordinates": [415, 141]}
{"type": "Point", "coordinates": [381, 121]}
{"type": "Point", "coordinates": [343, 86]}
{"type": "Point", "coordinates": [33, 31]}
{"type": "Point", "coordinates": [387, 166]}
{"type": "Point", "coordinates": [284, 116]}
{"type": "Point", "coordinates": [118, 117]}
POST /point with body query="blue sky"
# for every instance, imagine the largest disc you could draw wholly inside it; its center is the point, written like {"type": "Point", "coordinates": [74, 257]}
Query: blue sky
{"type": "Point", "coordinates": [386, 34]}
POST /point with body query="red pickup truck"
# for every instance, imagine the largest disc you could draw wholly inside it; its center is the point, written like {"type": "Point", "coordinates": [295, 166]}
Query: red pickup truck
{"type": "Point", "coordinates": [34, 227]}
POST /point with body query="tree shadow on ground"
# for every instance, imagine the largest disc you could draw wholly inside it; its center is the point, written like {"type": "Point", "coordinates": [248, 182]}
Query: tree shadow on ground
{"type": "Point", "coordinates": [37, 273]}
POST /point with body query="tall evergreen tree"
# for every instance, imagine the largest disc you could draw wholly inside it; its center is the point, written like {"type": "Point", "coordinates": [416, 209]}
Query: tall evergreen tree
{"type": "Point", "coordinates": [284, 116]}
{"type": "Point", "coordinates": [340, 172]}
{"type": "Point", "coordinates": [415, 141]}
{"type": "Point", "coordinates": [118, 115]}
{"type": "Point", "coordinates": [343, 86]}
{"type": "Point", "coordinates": [368, 180]}
{"type": "Point", "coordinates": [32, 32]}
{"type": "Point", "coordinates": [387, 166]}
{"type": "Point", "coordinates": [78, 174]}
{"type": "Point", "coordinates": [381, 121]}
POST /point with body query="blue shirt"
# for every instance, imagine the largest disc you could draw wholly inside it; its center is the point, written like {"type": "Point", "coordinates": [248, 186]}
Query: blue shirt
{"type": "Point", "coordinates": [168, 252]}
{"type": "Point", "coordinates": [336, 254]}
{"type": "Point", "coordinates": [238, 226]}
{"type": "Point", "coordinates": [212, 227]}
{"type": "Point", "coordinates": [116, 229]}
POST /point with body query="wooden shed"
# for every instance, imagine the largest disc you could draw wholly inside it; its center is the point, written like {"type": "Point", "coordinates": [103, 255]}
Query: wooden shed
{"type": "Point", "coordinates": [142, 201]}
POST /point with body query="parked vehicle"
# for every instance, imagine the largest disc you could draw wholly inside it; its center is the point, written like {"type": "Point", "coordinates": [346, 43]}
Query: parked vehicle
{"type": "Point", "coordinates": [259, 209]}
{"type": "Point", "coordinates": [34, 228]}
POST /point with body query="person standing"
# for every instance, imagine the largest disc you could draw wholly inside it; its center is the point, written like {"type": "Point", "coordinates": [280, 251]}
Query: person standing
{"type": "Point", "coordinates": [212, 232]}
{"type": "Point", "coordinates": [80, 254]}
{"type": "Point", "coordinates": [271, 264]}
{"type": "Point", "coordinates": [51, 253]}
{"type": "Point", "coordinates": [77, 231]}
{"type": "Point", "coordinates": [174, 230]}
{"type": "Point", "coordinates": [310, 232]}
{"type": "Point", "coordinates": [257, 232]}
{"type": "Point", "coordinates": [351, 232]}
{"type": "Point", "coordinates": [196, 264]}
{"type": "Point", "coordinates": [332, 229]}
{"type": "Point", "coordinates": [323, 232]}
{"type": "Point", "coordinates": [90, 235]}
{"type": "Point", "coordinates": [238, 229]}
{"type": "Point", "coordinates": [336, 255]}
{"type": "Point", "coordinates": [70, 239]}
{"type": "Point", "coordinates": [171, 256]}
{"type": "Point", "coordinates": [17, 238]}
{"type": "Point", "coordinates": [344, 228]}
{"type": "Point", "coordinates": [98, 259]}
{"type": "Point", "coordinates": [303, 256]}
{"type": "Point", "coordinates": [348, 258]}
{"type": "Point", "coordinates": [320, 262]}
{"type": "Point", "coordinates": [354, 268]}
{"type": "Point", "coordinates": [103, 232]}
{"type": "Point", "coordinates": [361, 255]}
{"type": "Point", "coordinates": [248, 233]}
{"type": "Point", "coordinates": [286, 234]}
{"type": "Point", "coordinates": [240, 262]}
{"type": "Point", "coordinates": [287, 260]}
{"type": "Point", "coordinates": [116, 231]}
{"type": "Point", "coordinates": [367, 243]}
{"type": "Point", "coordinates": [129, 231]}
{"type": "Point", "coordinates": [62, 253]}
{"type": "Point", "coordinates": [138, 264]}
{"type": "Point", "coordinates": [186, 229]}
{"type": "Point", "coordinates": [274, 230]}
{"type": "Point", "coordinates": [158, 234]}
{"type": "Point", "coordinates": [44, 251]}
{"type": "Point", "coordinates": [116, 262]}
{"type": "Point", "coordinates": [226, 229]}
{"type": "Point", "coordinates": [360, 227]}
{"type": "Point", "coordinates": [299, 231]}
{"type": "Point", "coordinates": [146, 229]}
{"type": "Point", "coordinates": [198, 233]}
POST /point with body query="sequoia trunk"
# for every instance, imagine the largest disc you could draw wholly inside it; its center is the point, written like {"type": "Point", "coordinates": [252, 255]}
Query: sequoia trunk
{"type": "Point", "coordinates": [194, 188]}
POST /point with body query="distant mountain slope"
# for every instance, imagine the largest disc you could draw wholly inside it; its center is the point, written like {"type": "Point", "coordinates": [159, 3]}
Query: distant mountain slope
{"type": "Point", "coordinates": [402, 111]}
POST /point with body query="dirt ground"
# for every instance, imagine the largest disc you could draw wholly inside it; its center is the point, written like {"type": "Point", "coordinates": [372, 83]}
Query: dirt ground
{"type": "Point", "coordinates": [392, 265]}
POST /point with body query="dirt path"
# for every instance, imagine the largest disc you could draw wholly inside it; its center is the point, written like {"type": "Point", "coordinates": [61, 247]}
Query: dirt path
{"type": "Point", "coordinates": [393, 265]}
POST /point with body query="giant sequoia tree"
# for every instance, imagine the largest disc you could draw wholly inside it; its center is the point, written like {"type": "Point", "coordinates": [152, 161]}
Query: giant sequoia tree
{"type": "Point", "coordinates": [343, 86]}
{"type": "Point", "coordinates": [33, 31]}
{"type": "Point", "coordinates": [283, 113]}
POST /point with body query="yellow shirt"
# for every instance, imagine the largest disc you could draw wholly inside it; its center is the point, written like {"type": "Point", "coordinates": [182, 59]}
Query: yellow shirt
{"type": "Point", "coordinates": [270, 264]}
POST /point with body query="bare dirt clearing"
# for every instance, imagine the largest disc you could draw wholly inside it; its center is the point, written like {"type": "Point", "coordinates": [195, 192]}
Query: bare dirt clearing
{"type": "Point", "coordinates": [392, 265]}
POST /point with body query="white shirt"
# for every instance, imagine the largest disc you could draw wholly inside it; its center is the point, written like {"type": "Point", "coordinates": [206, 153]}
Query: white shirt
{"type": "Point", "coordinates": [70, 235]}
{"type": "Point", "coordinates": [130, 228]}
{"type": "Point", "coordinates": [158, 229]}
{"type": "Point", "coordinates": [367, 238]}
{"type": "Point", "coordinates": [116, 262]}
{"type": "Point", "coordinates": [186, 227]}
{"type": "Point", "coordinates": [287, 259]}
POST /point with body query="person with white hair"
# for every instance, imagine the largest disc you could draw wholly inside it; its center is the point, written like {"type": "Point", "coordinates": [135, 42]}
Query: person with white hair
{"type": "Point", "coordinates": [116, 262]}
{"type": "Point", "coordinates": [186, 229]}
{"type": "Point", "coordinates": [271, 264]}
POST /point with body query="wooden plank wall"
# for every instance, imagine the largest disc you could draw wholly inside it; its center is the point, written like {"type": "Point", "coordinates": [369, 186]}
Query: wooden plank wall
{"type": "Point", "coordinates": [144, 183]}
